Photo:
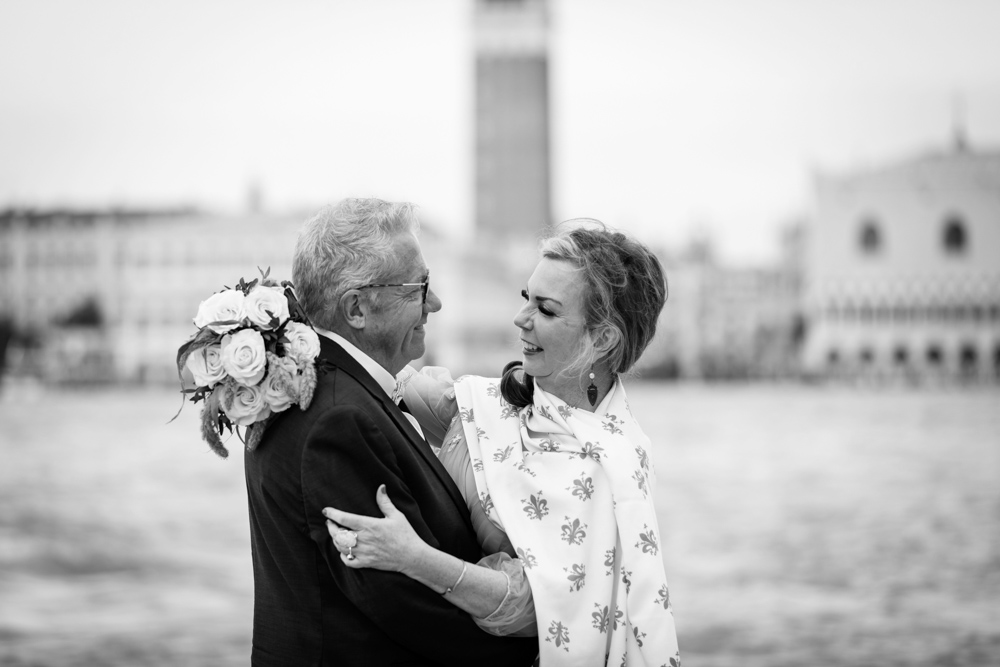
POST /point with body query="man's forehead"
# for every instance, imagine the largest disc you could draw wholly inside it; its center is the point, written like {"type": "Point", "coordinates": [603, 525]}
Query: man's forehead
{"type": "Point", "coordinates": [409, 256]}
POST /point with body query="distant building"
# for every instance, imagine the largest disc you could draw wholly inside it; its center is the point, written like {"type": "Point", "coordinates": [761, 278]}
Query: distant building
{"type": "Point", "coordinates": [142, 273]}
{"type": "Point", "coordinates": [512, 191]}
{"type": "Point", "coordinates": [904, 270]}
{"type": "Point", "coordinates": [512, 117]}
{"type": "Point", "coordinates": [728, 323]}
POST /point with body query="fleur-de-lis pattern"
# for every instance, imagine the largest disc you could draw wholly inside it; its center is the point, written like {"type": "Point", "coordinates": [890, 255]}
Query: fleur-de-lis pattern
{"type": "Point", "coordinates": [535, 506]}
{"type": "Point", "coordinates": [640, 451]}
{"type": "Point", "coordinates": [611, 424]}
{"type": "Point", "coordinates": [647, 542]}
{"type": "Point", "coordinates": [549, 445]}
{"type": "Point", "coordinates": [663, 596]}
{"type": "Point", "coordinates": [573, 531]}
{"type": "Point", "coordinates": [640, 477]}
{"type": "Point", "coordinates": [627, 579]}
{"type": "Point", "coordinates": [468, 415]}
{"type": "Point", "coordinates": [486, 501]}
{"type": "Point", "coordinates": [559, 635]}
{"type": "Point", "coordinates": [527, 558]}
{"type": "Point", "coordinates": [582, 487]}
{"type": "Point", "coordinates": [503, 455]}
{"type": "Point", "coordinates": [591, 450]}
{"type": "Point", "coordinates": [593, 471]}
{"type": "Point", "coordinates": [609, 561]}
{"type": "Point", "coordinates": [601, 617]}
{"type": "Point", "coordinates": [577, 576]}
{"type": "Point", "coordinates": [508, 412]}
{"type": "Point", "coordinates": [523, 467]}
{"type": "Point", "coordinates": [493, 391]}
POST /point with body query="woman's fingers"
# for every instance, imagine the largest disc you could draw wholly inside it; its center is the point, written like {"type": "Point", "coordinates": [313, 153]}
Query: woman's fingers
{"type": "Point", "coordinates": [382, 498]}
{"type": "Point", "coordinates": [346, 519]}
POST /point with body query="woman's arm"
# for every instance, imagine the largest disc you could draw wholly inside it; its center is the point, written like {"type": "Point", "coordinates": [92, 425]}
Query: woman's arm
{"type": "Point", "coordinates": [391, 544]}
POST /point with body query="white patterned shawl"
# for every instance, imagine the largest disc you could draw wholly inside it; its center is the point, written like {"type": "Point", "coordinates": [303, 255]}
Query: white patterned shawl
{"type": "Point", "coordinates": [572, 491]}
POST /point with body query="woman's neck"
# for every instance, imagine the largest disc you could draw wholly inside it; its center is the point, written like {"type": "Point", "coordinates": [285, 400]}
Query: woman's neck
{"type": "Point", "coordinates": [574, 391]}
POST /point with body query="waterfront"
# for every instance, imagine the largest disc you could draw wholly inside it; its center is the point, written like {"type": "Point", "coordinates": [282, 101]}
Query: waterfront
{"type": "Point", "coordinates": [801, 526]}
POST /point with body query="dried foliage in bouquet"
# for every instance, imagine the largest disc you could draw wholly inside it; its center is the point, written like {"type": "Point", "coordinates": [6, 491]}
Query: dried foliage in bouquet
{"type": "Point", "coordinates": [253, 356]}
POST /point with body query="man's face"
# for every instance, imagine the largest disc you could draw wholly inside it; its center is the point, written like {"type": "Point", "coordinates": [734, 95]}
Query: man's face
{"type": "Point", "coordinates": [394, 330]}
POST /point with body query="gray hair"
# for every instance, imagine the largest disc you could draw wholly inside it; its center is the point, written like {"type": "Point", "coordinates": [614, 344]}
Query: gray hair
{"type": "Point", "coordinates": [626, 290]}
{"type": "Point", "coordinates": [345, 246]}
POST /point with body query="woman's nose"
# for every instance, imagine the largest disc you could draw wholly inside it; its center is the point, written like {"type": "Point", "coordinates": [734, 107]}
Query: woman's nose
{"type": "Point", "coordinates": [522, 319]}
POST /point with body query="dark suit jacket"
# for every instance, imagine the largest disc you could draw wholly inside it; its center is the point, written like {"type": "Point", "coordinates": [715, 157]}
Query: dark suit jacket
{"type": "Point", "coordinates": [309, 608]}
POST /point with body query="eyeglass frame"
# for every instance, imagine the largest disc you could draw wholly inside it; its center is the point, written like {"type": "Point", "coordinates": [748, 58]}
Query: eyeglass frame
{"type": "Point", "coordinates": [425, 285]}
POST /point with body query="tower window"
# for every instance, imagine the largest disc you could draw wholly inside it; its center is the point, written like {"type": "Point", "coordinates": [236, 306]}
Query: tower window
{"type": "Point", "coordinates": [954, 236]}
{"type": "Point", "coordinates": [870, 238]}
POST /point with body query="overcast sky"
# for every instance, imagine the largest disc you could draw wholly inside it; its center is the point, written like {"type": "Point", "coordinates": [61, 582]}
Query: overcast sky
{"type": "Point", "coordinates": [669, 118]}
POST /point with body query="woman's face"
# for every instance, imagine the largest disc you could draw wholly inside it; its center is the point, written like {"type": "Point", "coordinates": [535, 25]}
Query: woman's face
{"type": "Point", "coordinates": [553, 325]}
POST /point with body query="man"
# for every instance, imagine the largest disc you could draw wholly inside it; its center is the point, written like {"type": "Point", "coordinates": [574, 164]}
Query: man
{"type": "Point", "coordinates": [361, 279]}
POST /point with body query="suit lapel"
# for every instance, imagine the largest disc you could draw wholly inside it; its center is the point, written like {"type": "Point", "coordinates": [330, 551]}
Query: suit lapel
{"type": "Point", "coordinates": [339, 357]}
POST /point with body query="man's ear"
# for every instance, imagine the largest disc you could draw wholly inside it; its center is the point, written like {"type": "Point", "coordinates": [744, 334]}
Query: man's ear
{"type": "Point", "coordinates": [353, 309]}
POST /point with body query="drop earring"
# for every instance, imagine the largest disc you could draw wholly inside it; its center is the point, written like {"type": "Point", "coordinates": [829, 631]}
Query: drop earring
{"type": "Point", "coordinates": [592, 389]}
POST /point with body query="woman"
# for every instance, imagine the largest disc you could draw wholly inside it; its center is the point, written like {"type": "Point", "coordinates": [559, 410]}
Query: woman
{"type": "Point", "coordinates": [551, 460]}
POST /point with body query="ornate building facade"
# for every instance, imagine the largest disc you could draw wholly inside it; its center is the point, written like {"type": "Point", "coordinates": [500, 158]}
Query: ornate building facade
{"type": "Point", "coordinates": [903, 270]}
{"type": "Point", "coordinates": [141, 274]}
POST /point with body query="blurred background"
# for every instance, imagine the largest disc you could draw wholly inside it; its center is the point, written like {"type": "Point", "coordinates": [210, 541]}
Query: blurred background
{"type": "Point", "coordinates": [821, 181]}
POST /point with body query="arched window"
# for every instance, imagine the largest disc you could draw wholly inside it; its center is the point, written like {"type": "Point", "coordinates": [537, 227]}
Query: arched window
{"type": "Point", "coordinates": [901, 355]}
{"type": "Point", "coordinates": [968, 357]}
{"type": "Point", "coordinates": [870, 238]}
{"type": "Point", "coordinates": [954, 237]}
{"type": "Point", "coordinates": [934, 356]}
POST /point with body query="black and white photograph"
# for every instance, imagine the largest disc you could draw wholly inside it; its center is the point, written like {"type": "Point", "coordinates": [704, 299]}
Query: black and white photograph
{"type": "Point", "coordinates": [541, 333]}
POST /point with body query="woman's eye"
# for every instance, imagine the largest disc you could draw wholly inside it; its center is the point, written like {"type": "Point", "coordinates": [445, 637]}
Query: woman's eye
{"type": "Point", "coordinates": [524, 294]}
{"type": "Point", "coordinates": [545, 311]}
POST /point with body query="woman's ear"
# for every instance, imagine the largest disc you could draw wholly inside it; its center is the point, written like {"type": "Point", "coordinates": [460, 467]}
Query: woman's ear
{"type": "Point", "coordinates": [353, 309]}
{"type": "Point", "coordinates": [605, 339]}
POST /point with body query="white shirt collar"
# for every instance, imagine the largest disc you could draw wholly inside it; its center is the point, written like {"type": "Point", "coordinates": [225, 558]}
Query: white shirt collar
{"type": "Point", "coordinates": [384, 378]}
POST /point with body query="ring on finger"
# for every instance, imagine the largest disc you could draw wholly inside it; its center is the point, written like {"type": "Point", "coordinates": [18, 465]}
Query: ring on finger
{"type": "Point", "coordinates": [350, 553]}
{"type": "Point", "coordinates": [345, 539]}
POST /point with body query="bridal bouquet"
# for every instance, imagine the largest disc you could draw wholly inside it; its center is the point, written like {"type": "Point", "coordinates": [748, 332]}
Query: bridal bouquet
{"type": "Point", "coordinates": [253, 356]}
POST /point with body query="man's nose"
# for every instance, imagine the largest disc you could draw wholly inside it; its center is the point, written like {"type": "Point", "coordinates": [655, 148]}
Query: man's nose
{"type": "Point", "coordinates": [433, 303]}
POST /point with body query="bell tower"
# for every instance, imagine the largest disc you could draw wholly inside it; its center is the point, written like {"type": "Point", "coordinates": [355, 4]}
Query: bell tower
{"type": "Point", "coordinates": [512, 166]}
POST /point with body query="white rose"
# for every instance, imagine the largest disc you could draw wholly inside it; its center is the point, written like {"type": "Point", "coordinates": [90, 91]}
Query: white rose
{"type": "Point", "coordinates": [205, 365]}
{"type": "Point", "coordinates": [264, 304]}
{"type": "Point", "coordinates": [244, 356]}
{"type": "Point", "coordinates": [281, 386]}
{"type": "Point", "coordinates": [225, 306]}
{"type": "Point", "coordinates": [301, 343]}
{"type": "Point", "coordinates": [247, 406]}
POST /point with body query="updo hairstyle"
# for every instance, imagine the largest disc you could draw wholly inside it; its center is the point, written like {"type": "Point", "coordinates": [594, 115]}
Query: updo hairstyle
{"type": "Point", "coordinates": [625, 291]}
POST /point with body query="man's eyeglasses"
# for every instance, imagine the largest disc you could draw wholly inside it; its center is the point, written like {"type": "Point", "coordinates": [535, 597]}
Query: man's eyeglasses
{"type": "Point", "coordinates": [423, 292]}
